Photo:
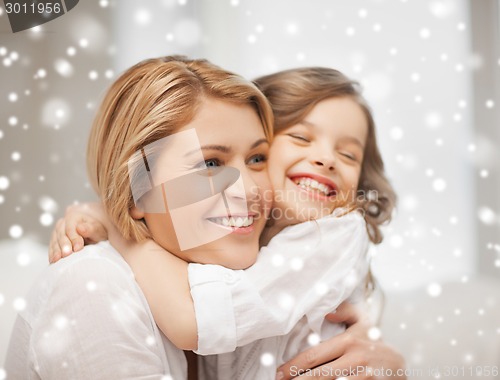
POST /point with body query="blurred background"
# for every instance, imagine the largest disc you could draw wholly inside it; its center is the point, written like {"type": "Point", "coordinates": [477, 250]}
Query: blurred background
{"type": "Point", "coordinates": [429, 68]}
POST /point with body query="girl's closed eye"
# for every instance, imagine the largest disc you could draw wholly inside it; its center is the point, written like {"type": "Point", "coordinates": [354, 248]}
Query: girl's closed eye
{"type": "Point", "coordinates": [349, 156]}
{"type": "Point", "coordinates": [300, 138]}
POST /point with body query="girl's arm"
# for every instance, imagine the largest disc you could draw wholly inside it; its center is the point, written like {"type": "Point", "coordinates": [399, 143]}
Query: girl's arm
{"type": "Point", "coordinates": [306, 270]}
{"type": "Point", "coordinates": [235, 307]}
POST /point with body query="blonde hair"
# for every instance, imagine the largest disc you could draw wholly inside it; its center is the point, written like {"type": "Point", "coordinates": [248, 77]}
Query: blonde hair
{"type": "Point", "coordinates": [150, 101]}
{"type": "Point", "coordinates": [294, 93]}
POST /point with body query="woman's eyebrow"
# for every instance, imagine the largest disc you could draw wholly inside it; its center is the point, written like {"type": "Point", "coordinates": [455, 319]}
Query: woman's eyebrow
{"type": "Point", "coordinates": [259, 142]}
{"type": "Point", "coordinates": [220, 148]}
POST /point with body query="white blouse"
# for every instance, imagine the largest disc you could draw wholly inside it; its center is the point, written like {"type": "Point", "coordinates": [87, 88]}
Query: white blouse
{"type": "Point", "coordinates": [87, 318]}
{"type": "Point", "coordinates": [270, 310]}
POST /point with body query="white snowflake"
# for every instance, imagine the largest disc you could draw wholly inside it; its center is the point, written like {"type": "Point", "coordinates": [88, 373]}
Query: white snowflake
{"type": "Point", "coordinates": [63, 67]}
{"type": "Point", "coordinates": [46, 219]}
{"type": "Point", "coordinates": [19, 304]}
{"type": "Point", "coordinates": [188, 32]}
{"type": "Point", "coordinates": [434, 289]}
{"type": "Point", "coordinates": [23, 259]}
{"type": "Point", "coordinates": [487, 215]}
{"type": "Point", "coordinates": [15, 231]}
{"type": "Point", "coordinates": [267, 359]}
{"type": "Point", "coordinates": [142, 17]}
{"type": "Point", "coordinates": [4, 183]}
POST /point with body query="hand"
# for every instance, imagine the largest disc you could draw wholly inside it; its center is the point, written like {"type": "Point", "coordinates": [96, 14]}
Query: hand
{"type": "Point", "coordinates": [82, 224]}
{"type": "Point", "coordinates": [351, 350]}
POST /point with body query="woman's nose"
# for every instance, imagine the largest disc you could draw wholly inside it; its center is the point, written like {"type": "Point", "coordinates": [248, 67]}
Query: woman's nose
{"type": "Point", "coordinates": [244, 188]}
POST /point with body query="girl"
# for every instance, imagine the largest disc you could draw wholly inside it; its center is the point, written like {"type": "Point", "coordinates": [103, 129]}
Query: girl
{"type": "Point", "coordinates": [324, 157]}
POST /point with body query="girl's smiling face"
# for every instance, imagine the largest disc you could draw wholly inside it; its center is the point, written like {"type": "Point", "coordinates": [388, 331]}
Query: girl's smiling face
{"type": "Point", "coordinates": [315, 165]}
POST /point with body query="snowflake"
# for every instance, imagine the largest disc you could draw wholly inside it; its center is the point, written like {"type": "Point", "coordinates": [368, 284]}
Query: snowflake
{"type": "Point", "coordinates": [46, 219]}
{"type": "Point", "coordinates": [63, 67]}
{"type": "Point", "coordinates": [434, 289]}
{"type": "Point", "coordinates": [487, 215]}
{"type": "Point", "coordinates": [4, 183]}
{"type": "Point", "coordinates": [439, 185]}
{"type": "Point", "coordinates": [23, 259]}
{"type": "Point", "coordinates": [19, 304]}
{"type": "Point", "coordinates": [267, 359]}
{"type": "Point", "coordinates": [15, 231]}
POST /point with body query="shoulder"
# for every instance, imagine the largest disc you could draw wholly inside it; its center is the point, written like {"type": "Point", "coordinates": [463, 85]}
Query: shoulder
{"type": "Point", "coordinates": [95, 270]}
{"type": "Point", "coordinates": [97, 260]}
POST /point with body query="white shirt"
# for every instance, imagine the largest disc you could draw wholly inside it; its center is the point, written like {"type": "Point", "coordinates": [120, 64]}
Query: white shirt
{"type": "Point", "coordinates": [86, 318]}
{"type": "Point", "coordinates": [269, 310]}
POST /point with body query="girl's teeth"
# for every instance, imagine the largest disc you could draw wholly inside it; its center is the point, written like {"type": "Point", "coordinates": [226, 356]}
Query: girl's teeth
{"type": "Point", "coordinates": [306, 183]}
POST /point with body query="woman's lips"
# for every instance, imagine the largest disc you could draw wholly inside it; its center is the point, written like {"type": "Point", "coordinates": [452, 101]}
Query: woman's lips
{"type": "Point", "coordinates": [243, 224]}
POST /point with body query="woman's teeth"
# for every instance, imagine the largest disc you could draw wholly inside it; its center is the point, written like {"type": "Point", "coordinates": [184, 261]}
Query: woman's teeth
{"type": "Point", "coordinates": [238, 221]}
{"type": "Point", "coordinates": [309, 183]}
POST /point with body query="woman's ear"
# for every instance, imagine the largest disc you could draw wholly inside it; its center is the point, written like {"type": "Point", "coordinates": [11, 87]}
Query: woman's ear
{"type": "Point", "coordinates": [136, 213]}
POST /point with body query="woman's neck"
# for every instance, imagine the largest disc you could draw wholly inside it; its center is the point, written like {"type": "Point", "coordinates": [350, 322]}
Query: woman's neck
{"type": "Point", "coordinates": [271, 230]}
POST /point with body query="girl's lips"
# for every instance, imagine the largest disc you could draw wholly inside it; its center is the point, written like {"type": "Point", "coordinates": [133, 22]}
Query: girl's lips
{"type": "Point", "coordinates": [320, 185]}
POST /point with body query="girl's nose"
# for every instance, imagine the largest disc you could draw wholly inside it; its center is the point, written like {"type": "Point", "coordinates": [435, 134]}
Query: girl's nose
{"type": "Point", "coordinates": [326, 161]}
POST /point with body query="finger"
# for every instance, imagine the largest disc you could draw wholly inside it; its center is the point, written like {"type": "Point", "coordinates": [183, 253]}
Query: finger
{"type": "Point", "coordinates": [346, 313]}
{"type": "Point", "coordinates": [313, 357]}
{"type": "Point", "coordinates": [338, 369]}
{"type": "Point", "coordinates": [92, 232]}
{"type": "Point", "coordinates": [72, 233]}
{"type": "Point", "coordinates": [54, 250]}
{"type": "Point", "coordinates": [64, 243]}
{"type": "Point", "coordinates": [99, 232]}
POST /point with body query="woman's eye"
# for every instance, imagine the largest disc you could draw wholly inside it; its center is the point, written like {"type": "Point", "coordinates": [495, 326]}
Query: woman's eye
{"type": "Point", "coordinates": [211, 163]}
{"type": "Point", "coordinates": [299, 137]}
{"type": "Point", "coordinates": [257, 159]}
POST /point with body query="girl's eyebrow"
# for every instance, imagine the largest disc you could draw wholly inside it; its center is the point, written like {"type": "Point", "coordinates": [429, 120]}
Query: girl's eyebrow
{"type": "Point", "coordinates": [353, 140]}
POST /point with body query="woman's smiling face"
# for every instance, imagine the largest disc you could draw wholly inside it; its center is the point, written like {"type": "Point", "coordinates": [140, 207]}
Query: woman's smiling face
{"type": "Point", "coordinates": [217, 216]}
{"type": "Point", "coordinates": [315, 165]}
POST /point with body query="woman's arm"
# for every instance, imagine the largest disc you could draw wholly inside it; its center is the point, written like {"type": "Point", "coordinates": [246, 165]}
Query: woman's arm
{"type": "Point", "coordinates": [351, 350]}
{"type": "Point", "coordinates": [234, 308]}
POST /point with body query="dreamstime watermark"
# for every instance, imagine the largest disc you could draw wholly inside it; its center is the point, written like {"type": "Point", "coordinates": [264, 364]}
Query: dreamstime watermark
{"type": "Point", "coordinates": [27, 14]}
